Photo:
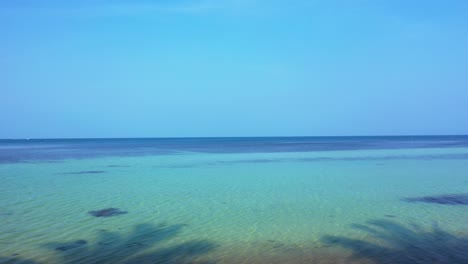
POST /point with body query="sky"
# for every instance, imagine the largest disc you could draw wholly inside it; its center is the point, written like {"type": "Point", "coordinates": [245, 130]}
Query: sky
{"type": "Point", "coordinates": [203, 68]}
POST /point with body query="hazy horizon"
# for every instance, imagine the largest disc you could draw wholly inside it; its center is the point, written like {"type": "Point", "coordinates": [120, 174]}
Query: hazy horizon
{"type": "Point", "coordinates": [208, 137]}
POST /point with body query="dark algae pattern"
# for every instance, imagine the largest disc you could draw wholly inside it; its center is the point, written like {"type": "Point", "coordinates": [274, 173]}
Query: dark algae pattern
{"type": "Point", "coordinates": [108, 212]}
{"type": "Point", "coordinates": [447, 199]}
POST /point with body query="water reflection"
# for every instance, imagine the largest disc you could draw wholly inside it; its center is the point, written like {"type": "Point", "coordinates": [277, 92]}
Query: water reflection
{"type": "Point", "coordinates": [142, 245]}
{"type": "Point", "coordinates": [113, 247]}
{"type": "Point", "coordinates": [396, 243]}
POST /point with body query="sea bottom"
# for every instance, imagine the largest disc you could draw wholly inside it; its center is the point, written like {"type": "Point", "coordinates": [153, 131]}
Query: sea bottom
{"type": "Point", "coordinates": [335, 207]}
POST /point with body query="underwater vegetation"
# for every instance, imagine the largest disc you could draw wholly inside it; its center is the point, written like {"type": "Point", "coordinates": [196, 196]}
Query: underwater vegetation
{"type": "Point", "coordinates": [448, 199]}
{"type": "Point", "coordinates": [16, 260]}
{"type": "Point", "coordinates": [85, 172]}
{"type": "Point", "coordinates": [396, 243]}
{"type": "Point", "coordinates": [107, 212]}
{"type": "Point", "coordinates": [72, 245]}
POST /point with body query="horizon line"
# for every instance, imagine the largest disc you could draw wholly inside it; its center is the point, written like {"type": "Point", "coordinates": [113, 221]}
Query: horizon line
{"type": "Point", "coordinates": [220, 137]}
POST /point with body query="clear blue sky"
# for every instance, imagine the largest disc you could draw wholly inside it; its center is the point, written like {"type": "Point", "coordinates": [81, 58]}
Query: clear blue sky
{"type": "Point", "coordinates": [175, 68]}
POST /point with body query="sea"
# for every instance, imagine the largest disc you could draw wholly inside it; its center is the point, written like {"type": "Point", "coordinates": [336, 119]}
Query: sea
{"type": "Point", "coordinates": [374, 200]}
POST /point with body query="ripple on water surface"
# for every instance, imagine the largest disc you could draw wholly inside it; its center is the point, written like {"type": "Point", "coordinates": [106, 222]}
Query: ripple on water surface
{"type": "Point", "coordinates": [274, 208]}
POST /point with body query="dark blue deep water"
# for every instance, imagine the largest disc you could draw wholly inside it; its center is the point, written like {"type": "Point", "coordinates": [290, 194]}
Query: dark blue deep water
{"type": "Point", "coordinates": [22, 150]}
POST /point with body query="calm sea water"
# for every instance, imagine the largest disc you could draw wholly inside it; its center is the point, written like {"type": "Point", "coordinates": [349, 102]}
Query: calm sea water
{"type": "Point", "coordinates": [235, 200]}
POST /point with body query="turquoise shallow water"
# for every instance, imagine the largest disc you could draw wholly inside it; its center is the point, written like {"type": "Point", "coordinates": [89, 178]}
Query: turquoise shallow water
{"type": "Point", "coordinates": [338, 206]}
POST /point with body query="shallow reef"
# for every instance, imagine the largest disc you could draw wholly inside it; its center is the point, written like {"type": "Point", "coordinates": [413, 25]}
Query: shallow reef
{"type": "Point", "coordinates": [447, 199]}
{"type": "Point", "coordinates": [14, 259]}
{"type": "Point", "coordinates": [85, 172]}
{"type": "Point", "coordinates": [107, 212]}
{"type": "Point", "coordinates": [72, 245]}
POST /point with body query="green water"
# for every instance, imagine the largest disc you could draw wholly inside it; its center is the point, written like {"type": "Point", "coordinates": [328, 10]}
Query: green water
{"type": "Point", "coordinates": [231, 208]}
